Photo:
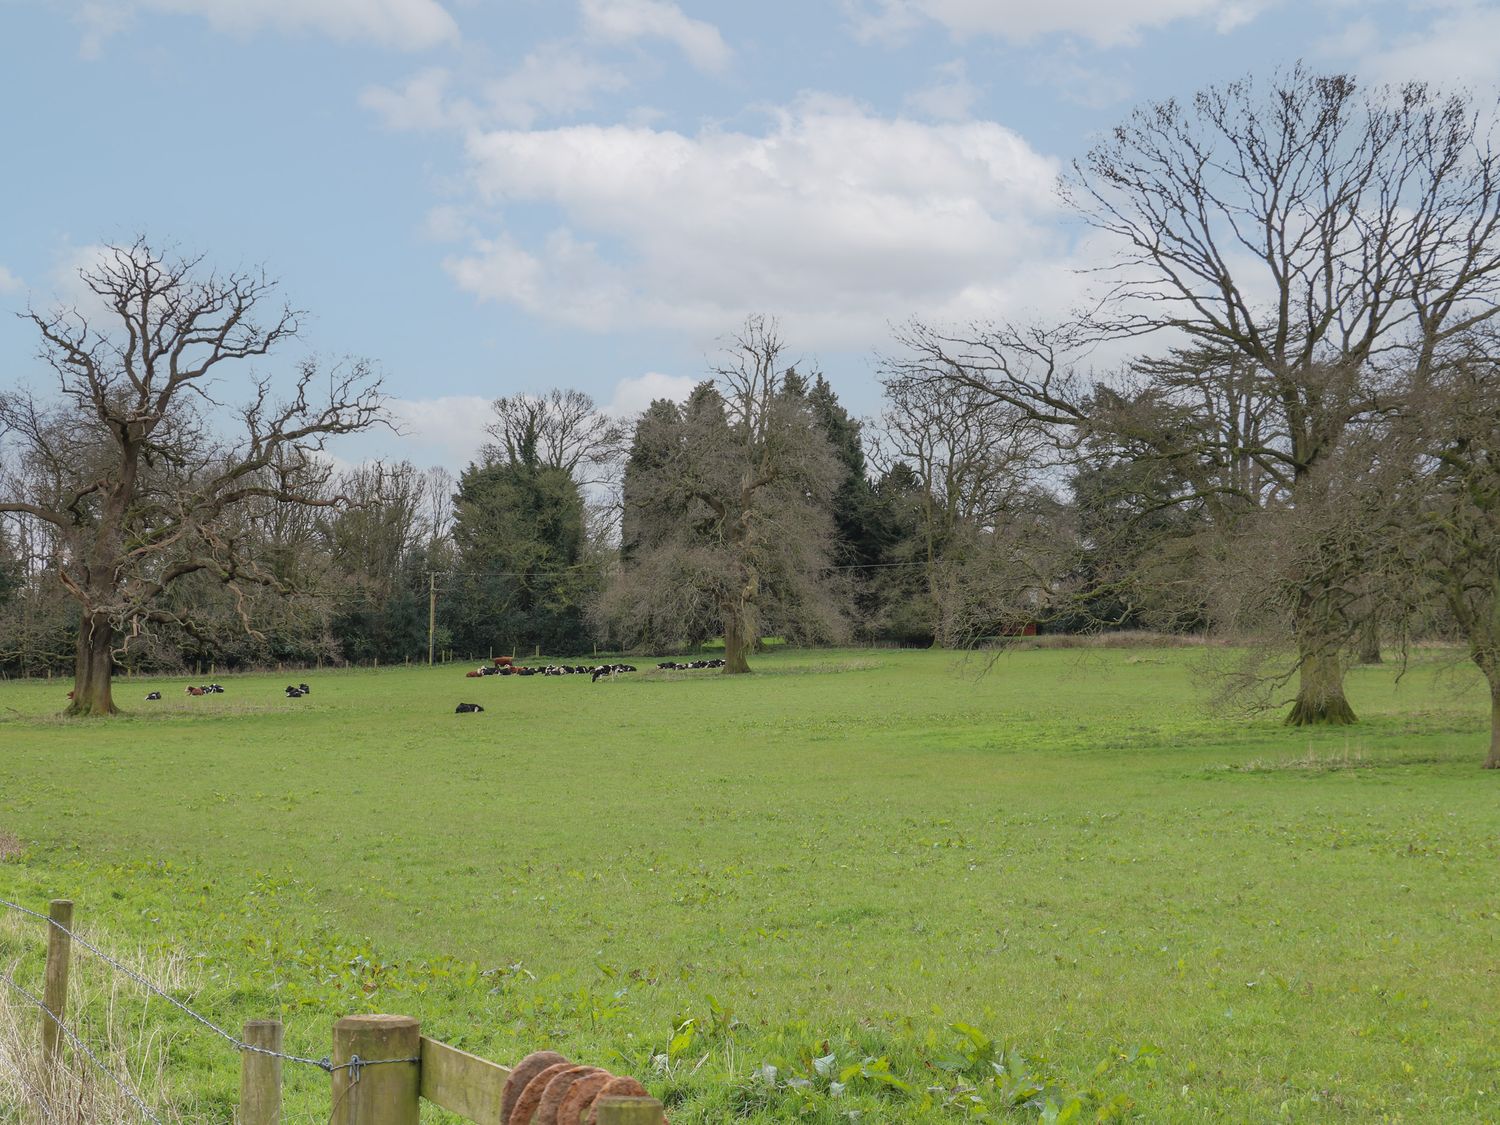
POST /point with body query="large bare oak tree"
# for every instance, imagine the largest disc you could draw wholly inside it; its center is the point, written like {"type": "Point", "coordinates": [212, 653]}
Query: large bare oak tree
{"type": "Point", "coordinates": [1304, 236]}
{"type": "Point", "coordinates": [130, 462]}
{"type": "Point", "coordinates": [1451, 522]}
{"type": "Point", "coordinates": [1318, 232]}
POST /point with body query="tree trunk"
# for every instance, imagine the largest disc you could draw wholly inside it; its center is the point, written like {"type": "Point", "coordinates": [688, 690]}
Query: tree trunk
{"type": "Point", "coordinates": [1493, 761]}
{"type": "Point", "coordinates": [1369, 640]}
{"type": "Point", "coordinates": [1320, 691]}
{"type": "Point", "coordinates": [94, 665]}
{"type": "Point", "coordinates": [737, 637]}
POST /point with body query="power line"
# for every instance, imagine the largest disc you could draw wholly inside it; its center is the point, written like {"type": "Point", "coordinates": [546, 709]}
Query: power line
{"type": "Point", "coordinates": [583, 566]}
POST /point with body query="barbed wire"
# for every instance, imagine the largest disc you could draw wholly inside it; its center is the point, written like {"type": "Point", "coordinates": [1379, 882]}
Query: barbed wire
{"type": "Point", "coordinates": [325, 1064]}
{"type": "Point", "coordinates": [37, 1097]}
{"type": "Point", "coordinates": [124, 1086]}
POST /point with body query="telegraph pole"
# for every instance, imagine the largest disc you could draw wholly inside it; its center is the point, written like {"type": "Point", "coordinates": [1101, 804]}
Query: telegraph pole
{"type": "Point", "coordinates": [431, 612]}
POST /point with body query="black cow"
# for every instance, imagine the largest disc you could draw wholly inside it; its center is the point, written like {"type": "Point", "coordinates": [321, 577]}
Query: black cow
{"type": "Point", "coordinates": [304, 689]}
{"type": "Point", "coordinates": [294, 692]}
{"type": "Point", "coordinates": [153, 695]}
{"type": "Point", "coordinates": [467, 709]}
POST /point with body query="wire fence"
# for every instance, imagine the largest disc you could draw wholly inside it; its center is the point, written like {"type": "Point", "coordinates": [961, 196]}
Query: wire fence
{"type": "Point", "coordinates": [88, 1053]}
{"type": "Point", "coordinates": [354, 1066]}
{"type": "Point", "coordinates": [38, 1098]}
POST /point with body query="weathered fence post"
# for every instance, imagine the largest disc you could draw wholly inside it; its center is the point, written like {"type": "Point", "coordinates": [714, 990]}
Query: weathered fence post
{"type": "Point", "coordinates": [388, 1093]}
{"type": "Point", "coordinates": [615, 1110]}
{"type": "Point", "coordinates": [55, 989]}
{"type": "Point", "coordinates": [260, 1075]}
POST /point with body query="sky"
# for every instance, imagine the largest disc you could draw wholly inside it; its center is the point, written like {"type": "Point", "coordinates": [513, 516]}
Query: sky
{"type": "Point", "coordinates": [486, 198]}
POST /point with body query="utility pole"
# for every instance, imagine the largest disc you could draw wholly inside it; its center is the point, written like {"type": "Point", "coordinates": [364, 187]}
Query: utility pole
{"type": "Point", "coordinates": [431, 612]}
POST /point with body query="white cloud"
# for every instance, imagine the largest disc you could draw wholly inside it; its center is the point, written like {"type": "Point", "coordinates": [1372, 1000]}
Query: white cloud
{"type": "Point", "coordinates": [410, 25]}
{"type": "Point", "coordinates": [555, 80]}
{"type": "Point", "coordinates": [1079, 78]}
{"type": "Point", "coordinates": [1358, 37]}
{"type": "Point", "coordinates": [68, 288]}
{"type": "Point", "coordinates": [9, 283]}
{"type": "Point", "coordinates": [449, 222]}
{"type": "Point", "coordinates": [422, 102]}
{"type": "Point", "coordinates": [1108, 23]}
{"type": "Point", "coordinates": [99, 21]}
{"type": "Point", "coordinates": [950, 98]}
{"type": "Point", "coordinates": [835, 219]}
{"type": "Point", "coordinates": [634, 394]}
{"type": "Point", "coordinates": [447, 430]}
{"type": "Point", "coordinates": [623, 21]}
{"type": "Point", "coordinates": [1458, 46]}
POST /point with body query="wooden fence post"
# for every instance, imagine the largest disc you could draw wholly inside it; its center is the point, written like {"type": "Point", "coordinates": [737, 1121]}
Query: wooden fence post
{"type": "Point", "coordinates": [385, 1094]}
{"type": "Point", "coordinates": [260, 1075]}
{"type": "Point", "coordinates": [615, 1110]}
{"type": "Point", "coordinates": [55, 989]}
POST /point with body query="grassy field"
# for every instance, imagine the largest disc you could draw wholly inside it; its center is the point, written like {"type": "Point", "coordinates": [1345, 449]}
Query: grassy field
{"type": "Point", "coordinates": [1061, 883]}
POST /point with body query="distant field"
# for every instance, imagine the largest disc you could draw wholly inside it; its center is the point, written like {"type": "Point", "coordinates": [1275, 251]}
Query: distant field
{"type": "Point", "coordinates": [850, 853]}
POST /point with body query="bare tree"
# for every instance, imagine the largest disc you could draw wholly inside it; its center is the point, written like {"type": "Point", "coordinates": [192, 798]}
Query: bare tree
{"type": "Point", "coordinates": [1300, 242]}
{"type": "Point", "coordinates": [381, 525]}
{"type": "Point", "coordinates": [127, 464]}
{"type": "Point", "coordinates": [1315, 232]}
{"type": "Point", "coordinates": [973, 456]}
{"type": "Point", "coordinates": [562, 429]}
{"type": "Point", "coordinates": [437, 497]}
{"type": "Point", "coordinates": [1454, 510]}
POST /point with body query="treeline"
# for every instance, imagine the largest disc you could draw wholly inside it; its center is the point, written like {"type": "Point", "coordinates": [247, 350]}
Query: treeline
{"type": "Point", "coordinates": [759, 507]}
{"type": "Point", "coordinates": [1295, 443]}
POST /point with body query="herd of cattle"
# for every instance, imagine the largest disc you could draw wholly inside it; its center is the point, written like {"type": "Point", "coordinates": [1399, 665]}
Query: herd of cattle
{"type": "Point", "coordinates": [293, 691]}
{"type": "Point", "coordinates": [505, 666]}
{"type": "Point", "coordinates": [502, 666]}
{"type": "Point", "coordinates": [594, 670]}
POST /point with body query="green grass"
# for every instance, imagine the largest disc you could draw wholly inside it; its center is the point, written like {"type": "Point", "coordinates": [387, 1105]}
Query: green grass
{"type": "Point", "coordinates": [857, 853]}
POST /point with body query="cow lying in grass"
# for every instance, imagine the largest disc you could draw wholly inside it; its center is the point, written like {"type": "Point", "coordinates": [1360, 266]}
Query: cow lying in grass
{"type": "Point", "coordinates": [467, 709]}
{"type": "Point", "coordinates": [610, 670]}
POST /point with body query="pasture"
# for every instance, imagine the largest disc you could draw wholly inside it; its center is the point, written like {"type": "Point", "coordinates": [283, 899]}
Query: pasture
{"type": "Point", "coordinates": [1060, 880]}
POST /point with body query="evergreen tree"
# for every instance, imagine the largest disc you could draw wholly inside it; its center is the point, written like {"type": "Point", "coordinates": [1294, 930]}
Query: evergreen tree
{"type": "Point", "coordinates": [524, 573]}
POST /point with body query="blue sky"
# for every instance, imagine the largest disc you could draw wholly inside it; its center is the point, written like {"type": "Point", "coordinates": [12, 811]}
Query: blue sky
{"type": "Point", "coordinates": [486, 198]}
